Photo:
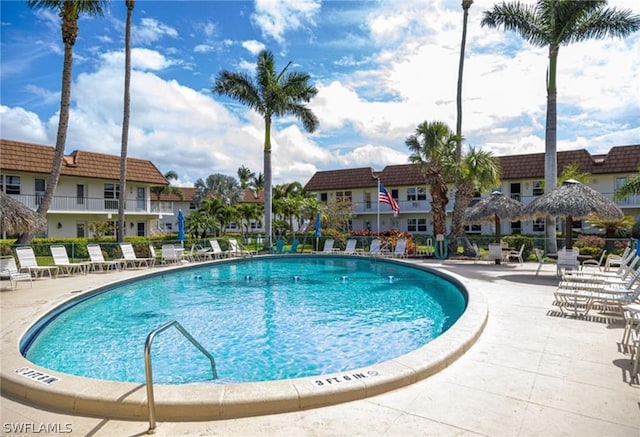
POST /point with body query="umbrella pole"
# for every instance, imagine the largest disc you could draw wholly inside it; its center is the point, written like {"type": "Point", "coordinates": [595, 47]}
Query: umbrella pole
{"type": "Point", "coordinates": [498, 236]}
{"type": "Point", "coordinates": [568, 229]}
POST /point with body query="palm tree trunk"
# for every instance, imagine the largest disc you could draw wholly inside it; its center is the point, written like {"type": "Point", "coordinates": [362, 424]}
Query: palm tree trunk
{"type": "Point", "coordinates": [466, 4]}
{"type": "Point", "coordinates": [550, 153]}
{"type": "Point", "coordinates": [439, 202]}
{"type": "Point", "coordinates": [125, 123]}
{"type": "Point", "coordinates": [463, 196]}
{"type": "Point", "coordinates": [267, 185]}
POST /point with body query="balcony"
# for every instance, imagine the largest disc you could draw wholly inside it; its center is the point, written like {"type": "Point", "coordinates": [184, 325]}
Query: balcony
{"type": "Point", "coordinates": [90, 205]}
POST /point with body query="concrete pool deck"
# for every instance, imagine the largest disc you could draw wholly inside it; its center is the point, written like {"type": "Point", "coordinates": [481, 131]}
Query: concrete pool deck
{"type": "Point", "coordinates": [531, 372]}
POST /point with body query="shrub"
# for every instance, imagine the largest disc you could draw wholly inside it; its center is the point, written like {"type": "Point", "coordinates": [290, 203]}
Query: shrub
{"type": "Point", "coordinates": [590, 245]}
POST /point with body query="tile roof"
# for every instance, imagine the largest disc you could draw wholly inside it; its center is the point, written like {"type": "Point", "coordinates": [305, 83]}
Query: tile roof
{"type": "Point", "coordinates": [35, 158]}
{"type": "Point", "coordinates": [620, 159]}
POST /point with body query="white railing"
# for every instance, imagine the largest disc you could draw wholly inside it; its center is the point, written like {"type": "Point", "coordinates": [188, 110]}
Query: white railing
{"type": "Point", "coordinates": [89, 204]}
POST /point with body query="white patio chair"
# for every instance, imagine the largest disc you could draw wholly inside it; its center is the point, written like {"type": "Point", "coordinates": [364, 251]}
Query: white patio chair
{"type": "Point", "coordinates": [129, 257]}
{"type": "Point", "coordinates": [61, 259]}
{"type": "Point", "coordinates": [9, 270]}
{"type": "Point", "coordinates": [350, 248]}
{"type": "Point", "coordinates": [216, 250]}
{"type": "Point", "coordinates": [616, 260]}
{"type": "Point", "coordinates": [169, 254]}
{"type": "Point", "coordinates": [592, 263]}
{"type": "Point", "coordinates": [328, 246]}
{"type": "Point", "coordinates": [236, 249]}
{"type": "Point", "coordinates": [98, 261]}
{"type": "Point", "coordinates": [517, 254]}
{"type": "Point", "coordinates": [29, 263]}
{"type": "Point", "coordinates": [376, 247]}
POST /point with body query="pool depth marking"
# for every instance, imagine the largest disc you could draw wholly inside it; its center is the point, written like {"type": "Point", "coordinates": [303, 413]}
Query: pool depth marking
{"type": "Point", "coordinates": [36, 375]}
{"type": "Point", "coordinates": [345, 378]}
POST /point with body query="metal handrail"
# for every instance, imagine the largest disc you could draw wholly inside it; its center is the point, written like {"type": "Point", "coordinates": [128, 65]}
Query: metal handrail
{"type": "Point", "coordinates": [149, 372]}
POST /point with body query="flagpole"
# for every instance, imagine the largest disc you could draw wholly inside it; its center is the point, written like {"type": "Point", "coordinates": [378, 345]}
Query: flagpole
{"type": "Point", "coordinates": [378, 196]}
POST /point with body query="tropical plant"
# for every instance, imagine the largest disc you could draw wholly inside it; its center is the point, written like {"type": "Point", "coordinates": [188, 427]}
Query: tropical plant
{"type": "Point", "coordinates": [168, 190]}
{"type": "Point", "coordinates": [478, 172]}
{"type": "Point", "coordinates": [433, 148]}
{"type": "Point", "coordinates": [216, 210]}
{"type": "Point", "coordinates": [270, 95]}
{"type": "Point", "coordinates": [613, 228]}
{"type": "Point", "coordinates": [69, 12]}
{"type": "Point", "coordinates": [218, 185]}
{"type": "Point", "coordinates": [247, 212]}
{"type": "Point", "coordinates": [629, 188]}
{"type": "Point", "coordinates": [245, 175]}
{"type": "Point", "coordinates": [572, 171]}
{"type": "Point", "coordinates": [198, 223]}
{"type": "Point", "coordinates": [553, 23]}
{"type": "Point", "coordinates": [125, 122]}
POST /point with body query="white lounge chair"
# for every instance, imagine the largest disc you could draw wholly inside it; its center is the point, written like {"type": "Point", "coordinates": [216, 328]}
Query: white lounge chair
{"type": "Point", "coordinates": [350, 248]}
{"type": "Point", "coordinates": [592, 263]}
{"type": "Point", "coordinates": [9, 270]}
{"type": "Point", "coordinates": [216, 250]}
{"type": "Point", "coordinates": [235, 249]}
{"type": "Point", "coordinates": [130, 259]}
{"type": "Point", "coordinates": [616, 260]}
{"type": "Point", "coordinates": [582, 298]}
{"type": "Point", "coordinates": [61, 259]}
{"type": "Point", "coordinates": [400, 249]}
{"type": "Point", "coordinates": [377, 248]}
{"type": "Point", "coordinates": [29, 263]}
{"type": "Point", "coordinates": [328, 246]}
{"type": "Point", "coordinates": [169, 254]}
{"type": "Point", "coordinates": [98, 261]}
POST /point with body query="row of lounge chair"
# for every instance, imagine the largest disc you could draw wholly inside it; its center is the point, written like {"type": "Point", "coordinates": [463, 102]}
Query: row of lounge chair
{"type": "Point", "coordinates": [377, 248]}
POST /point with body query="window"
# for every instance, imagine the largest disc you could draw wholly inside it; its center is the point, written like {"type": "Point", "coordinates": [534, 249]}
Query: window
{"type": "Point", "coordinates": [111, 194]}
{"type": "Point", "coordinates": [415, 193]}
{"type": "Point", "coordinates": [367, 200]}
{"type": "Point", "coordinates": [343, 196]}
{"type": "Point", "coordinates": [576, 224]}
{"type": "Point", "coordinates": [39, 189]}
{"type": "Point", "coordinates": [417, 225]}
{"type": "Point", "coordinates": [473, 229]}
{"type": "Point", "coordinates": [394, 194]}
{"type": "Point", "coordinates": [80, 194]}
{"type": "Point", "coordinates": [515, 191]}
{"type": "Point", "coordinates": [323, 197]}
{"type": "Point", "coordinates": [516, 227]}
{"type": "Point", "coordinates": [141, 229]}
{"type": "Point", "coordinates": [233, 225]}
{"type": "Point", "coordinates": [12, 184]}
{"type": "Point", "coordinates": [538, 225]}
{"type": "Point", "coordinates": [81, 229]}
{"type": "Point", "coordinates": [192, 206]}
{"type": "Point", "coordinates": [538, 189]}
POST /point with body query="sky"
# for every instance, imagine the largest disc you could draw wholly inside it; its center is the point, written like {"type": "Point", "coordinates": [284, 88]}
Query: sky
{"type": "Point", "coordinates": [381, 68]}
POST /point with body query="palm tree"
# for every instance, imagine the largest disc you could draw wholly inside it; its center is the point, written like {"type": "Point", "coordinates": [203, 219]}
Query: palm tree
{"type": "Point", "coordinates": [125, 121]}
{"type": "Point", "coordinates": [69, 12]}
{"type": "Point", "coordinates": [629, 188]}
{"type": "Point", "coordinates": [479, 171]}
{"type": "Point", "coordinates": [271, 95]}
{"type": "Point", "coordinates": [245, 175]}
{"type": "Point", "coordinates": [433, 148]}
{"type": "Point", "coordinates": [168, 190]}
{"type": "Point", "coordinates": [554, 23]}
{"type": "Point", "coordinates": [466, 4]}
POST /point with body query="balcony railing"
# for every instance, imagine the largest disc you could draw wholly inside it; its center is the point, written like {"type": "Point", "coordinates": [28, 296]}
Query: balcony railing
{"type": "Point", "coordinates": [89, 204]}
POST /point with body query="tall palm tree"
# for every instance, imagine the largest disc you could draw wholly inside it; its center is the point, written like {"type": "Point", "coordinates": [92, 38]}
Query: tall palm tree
{"type": "Point", "coordinates": [466, 4]}
{"type": "Point", "coordinates": [69, 12]}
{"type": "Point", "coordinates": [553, 23]}
{"type": "Point", "coordinates": [433, 148]}
{"type": "Point", "coordinates": [477, 172]}
{"type": "Point", "coordinates": [270, 95]}
{"type": "Point", "coordinates": [125, 122]}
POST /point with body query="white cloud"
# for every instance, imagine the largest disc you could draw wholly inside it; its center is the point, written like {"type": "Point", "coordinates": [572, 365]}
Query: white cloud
{"type": "Point", "coordinates": [151, 30]}
{"type": "Point", "coordinates": [276, 17]}
{"type": "Point", "coordinates": [254, 47]}
{"type": "Point", "coordinates": [18, 123]}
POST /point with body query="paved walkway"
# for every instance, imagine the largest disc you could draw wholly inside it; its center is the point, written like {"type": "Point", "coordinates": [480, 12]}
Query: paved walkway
{"type": "Point", "coordinates": [531, 373]}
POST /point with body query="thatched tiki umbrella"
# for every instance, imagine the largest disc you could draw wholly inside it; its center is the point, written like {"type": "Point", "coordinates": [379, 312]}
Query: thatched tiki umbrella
{"type": "Point", "coordinates": [493, 208]}
{"type": "Point", "coordinates": [16, 218]}
{"type": "Point", "coordinates": [572, 200]}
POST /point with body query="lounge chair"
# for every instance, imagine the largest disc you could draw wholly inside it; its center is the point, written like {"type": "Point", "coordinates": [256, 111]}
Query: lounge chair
{"type": "Point", "coordinates": [377, 248]}
{"type": "Point", "coordinates": [216, 250]}
{"type": "Point", "coordinates": [98, 261]}
{"type": "Point", "coordinates": [29, 263]}
{"type": "Point", "coordinates": [129, 257]}
{"type": "Point", "coordinates": [516, 254]}
{"type": "Point", "coordinates": [9, 270]}
{"type": "Point", "coordinates": [61, 259]}
{"type": "Point", "coordinates": [620, 275]}
{"type": "Point", "coordinates": [609, 284]}
{"type": "Point", "coordinates": [540, 257]}
{"type": "Point", "coordinates": [616, 260]}
{"type": "Point", "coordinates": [235, 249]}
{"type": "Point", "coordinates": [328, 246]}
{"type": "Point", "coordinates": [350, 248]}
{"type": "Point", "coordinates": [592, 263]}
{"type": "Point", "coordinates": [400, 249]}
{"type": "Point", "coordinates": [579, 298]}
{"type": "Point", "coordinates": [476, 252]}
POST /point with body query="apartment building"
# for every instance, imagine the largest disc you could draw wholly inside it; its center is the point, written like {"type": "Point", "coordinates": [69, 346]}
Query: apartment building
{"type": "Point", "coordinates": [88, 189]}
{"type": "Point", "coordinates": [522, 178]}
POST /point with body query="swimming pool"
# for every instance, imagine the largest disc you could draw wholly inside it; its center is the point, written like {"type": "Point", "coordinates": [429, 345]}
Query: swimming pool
{"type": "Point", "coordinates": [262, 319]}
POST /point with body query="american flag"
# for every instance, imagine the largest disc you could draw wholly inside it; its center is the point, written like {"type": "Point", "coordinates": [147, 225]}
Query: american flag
{"type": "Point", "coordinates": [384, 197]}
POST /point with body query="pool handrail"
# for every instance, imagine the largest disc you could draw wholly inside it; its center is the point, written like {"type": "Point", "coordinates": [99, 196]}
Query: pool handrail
{"type": "Point", "coordinates": [149, 372]}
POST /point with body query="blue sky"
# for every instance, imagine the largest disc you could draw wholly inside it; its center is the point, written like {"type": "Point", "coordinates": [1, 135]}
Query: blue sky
{"type": "Point", "coordinates": [381, 68]}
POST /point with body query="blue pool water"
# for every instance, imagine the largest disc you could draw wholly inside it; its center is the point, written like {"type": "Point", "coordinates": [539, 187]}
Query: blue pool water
{"type": "Point", "coordinates": [262, 319]}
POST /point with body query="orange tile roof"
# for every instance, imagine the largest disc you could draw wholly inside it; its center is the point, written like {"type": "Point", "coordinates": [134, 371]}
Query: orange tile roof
{"type": "Point", "coordinates": [620, 159]}
{"type": "Point", "coordinates": [35, 158]}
